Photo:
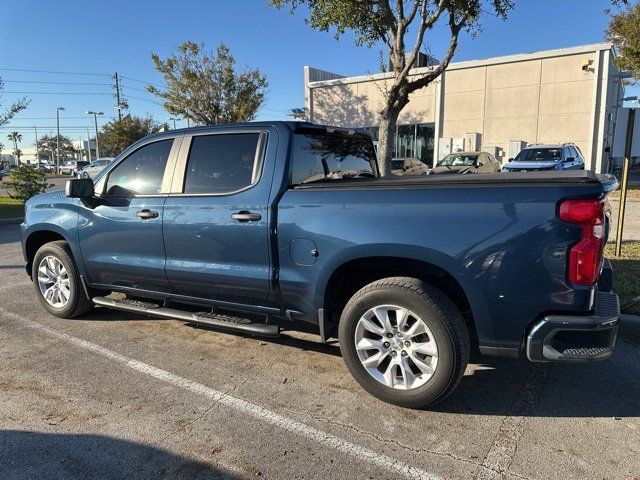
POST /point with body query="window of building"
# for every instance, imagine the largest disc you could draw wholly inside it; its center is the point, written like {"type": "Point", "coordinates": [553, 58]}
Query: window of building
{"type": "Point", "coordinates": [221, 163]}
{"type": "Point", "coordinates": [412, 141]}
{"type": "Point", "coordinates": [141, 172]}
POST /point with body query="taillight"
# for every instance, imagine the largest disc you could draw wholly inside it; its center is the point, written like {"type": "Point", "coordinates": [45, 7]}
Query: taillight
{"type": "Point", "coordinates": [585, 258]}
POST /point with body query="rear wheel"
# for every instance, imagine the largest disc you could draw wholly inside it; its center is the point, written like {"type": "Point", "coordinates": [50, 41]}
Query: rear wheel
{"type": "Point", "coordinates": [404, 341]}
{"type": "Point", "coordinates": [57, 281]}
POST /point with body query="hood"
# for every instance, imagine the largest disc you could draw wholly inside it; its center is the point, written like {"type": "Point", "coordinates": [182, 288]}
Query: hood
{"type": "Point", "coordinates": [47, 197]}
{"type": "Point", "coordinates": [531, 165]}
{"type": "Point", "coordinates": [448, 170]}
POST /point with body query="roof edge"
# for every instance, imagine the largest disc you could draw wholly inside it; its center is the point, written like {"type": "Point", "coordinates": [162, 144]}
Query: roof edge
{"type": "Point", "coordinates": [520, 57]}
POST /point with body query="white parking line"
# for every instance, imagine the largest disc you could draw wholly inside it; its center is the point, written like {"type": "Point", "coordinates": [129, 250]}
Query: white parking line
{"type": "Point", "coordinates": [326, 439]}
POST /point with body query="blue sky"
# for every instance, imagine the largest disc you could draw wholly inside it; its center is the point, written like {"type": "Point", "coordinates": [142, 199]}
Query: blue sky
{"type": "Point", "coordinates": [102, 37]}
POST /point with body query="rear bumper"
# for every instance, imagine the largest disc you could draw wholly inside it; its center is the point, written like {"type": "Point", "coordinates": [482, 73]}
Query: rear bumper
{"type": "Point", "coordinates": [574, 338]}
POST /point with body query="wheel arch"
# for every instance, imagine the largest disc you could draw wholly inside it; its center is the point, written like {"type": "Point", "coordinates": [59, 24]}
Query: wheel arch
{"type": "Point", "coordinates": [346, 277]}
{"type": "Point", "coordinates": [37, 238]}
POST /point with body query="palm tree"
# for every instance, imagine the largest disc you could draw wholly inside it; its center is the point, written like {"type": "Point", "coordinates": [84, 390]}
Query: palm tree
{"type": "Point", "coordinates": [15, 137]}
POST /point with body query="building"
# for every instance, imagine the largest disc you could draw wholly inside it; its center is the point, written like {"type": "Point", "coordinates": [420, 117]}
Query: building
{"type": "Point", "coordinates": [498, 104]}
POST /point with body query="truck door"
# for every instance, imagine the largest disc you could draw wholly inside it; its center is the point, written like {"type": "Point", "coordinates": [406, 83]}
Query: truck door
{"type": "Point", "coordinates": [121, 233]}
{"type": "Point", "coordinates": [216, 221]}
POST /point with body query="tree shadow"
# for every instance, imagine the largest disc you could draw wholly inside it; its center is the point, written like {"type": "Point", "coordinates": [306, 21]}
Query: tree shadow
{"type": "Point", "coordinates": [28, 454]}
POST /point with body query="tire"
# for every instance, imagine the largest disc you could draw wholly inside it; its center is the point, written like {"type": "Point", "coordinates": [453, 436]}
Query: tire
{"type": "Point", "coordinates": [444, 326]}
{"type": "Point", "coordinates": [77, 302]}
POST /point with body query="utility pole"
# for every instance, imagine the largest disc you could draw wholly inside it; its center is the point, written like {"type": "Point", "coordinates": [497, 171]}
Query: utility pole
{"type": "Point", "coordinates": [625, 178]}
{"type": "Point", "coordinates": [35, 129]}
{"type": "Point", "coordinates": [118, 104]}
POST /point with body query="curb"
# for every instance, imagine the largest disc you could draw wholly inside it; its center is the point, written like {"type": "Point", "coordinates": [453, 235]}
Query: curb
{"type": "Point", "coordinates": [11, 221]}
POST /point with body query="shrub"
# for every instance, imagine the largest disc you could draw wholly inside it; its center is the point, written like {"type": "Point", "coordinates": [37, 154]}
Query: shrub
{"type": "Point", "coordinates": [24, 182]}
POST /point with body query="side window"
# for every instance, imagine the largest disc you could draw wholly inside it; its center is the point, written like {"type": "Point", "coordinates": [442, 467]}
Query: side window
{"type": "Point", "coordinates": [141, 172]}
{"type": "Point", "coordinates": [221, 163]}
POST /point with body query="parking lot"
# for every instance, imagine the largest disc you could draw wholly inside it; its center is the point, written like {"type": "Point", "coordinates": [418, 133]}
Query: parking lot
{"type": "Point", "coordinates": [112, 395]}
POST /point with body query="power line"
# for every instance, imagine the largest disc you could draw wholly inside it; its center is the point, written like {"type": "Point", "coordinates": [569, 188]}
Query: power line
{"type": "Point", "coordinates": [141, 81]}
{"type": "Point", "coordinates": [55, 83]}
{"type": "Point", "coordinates": [57, 93]}
{"type": "Point", "coordinates": [54, 72]}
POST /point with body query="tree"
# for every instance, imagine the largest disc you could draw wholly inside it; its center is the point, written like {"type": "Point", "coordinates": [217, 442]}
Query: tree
{"type": "Point", "coordinates": [206, 88]}
{"type": "Point", "coordinates": [47, 146]}
{"type": "Point", "coordinates": [16, 138]}
{"type": "Point", "coordinates": [387, 23]}
{"type": "Point", "coordinates": [25, 182]}
{"type": "Point", "coordinates": [624, 32]}
{"type": "Point", "coordinates": [14, 108]}
{"type": "Point", "coordinates": [117, 135]}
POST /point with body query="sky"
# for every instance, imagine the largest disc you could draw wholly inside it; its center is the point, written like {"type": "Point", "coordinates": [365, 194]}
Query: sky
{"type": "Point", "coordinates": [90, 40]}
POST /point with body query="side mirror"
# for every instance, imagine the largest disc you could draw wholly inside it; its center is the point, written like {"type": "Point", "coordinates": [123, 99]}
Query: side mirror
{"type": "Point", "coordinates": [510, 160]}
{"type": "Point", "coordinates": [569, 159]}
{"type": "Point", "coordinates": [79, 188]}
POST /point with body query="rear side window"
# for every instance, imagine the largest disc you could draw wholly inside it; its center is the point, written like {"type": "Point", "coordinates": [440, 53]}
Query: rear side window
{"type": "Point", "coordinates": [141, 172]}
{"type": "Point", "coordinates": [221, 163]}
{"type": "Point", "coordinates": [320, 157]}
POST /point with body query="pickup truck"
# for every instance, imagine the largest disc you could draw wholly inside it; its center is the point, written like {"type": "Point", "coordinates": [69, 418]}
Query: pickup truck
{"type": "Point", "coordinates": [259, 227]}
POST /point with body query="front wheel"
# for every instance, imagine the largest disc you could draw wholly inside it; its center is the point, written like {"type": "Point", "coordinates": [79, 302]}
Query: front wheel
{"type": "Point", "coordinates": [404, 342]}
{"type": "Point", "coordinates": [57, 281]}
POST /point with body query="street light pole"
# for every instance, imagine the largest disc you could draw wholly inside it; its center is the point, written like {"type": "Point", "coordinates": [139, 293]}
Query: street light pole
{"type": "Point", "coordinates": [58, 110]}
{"type": "Point", "coordinates": [95, 122]}
{"type": "Point", "coordinates": [174, 121]}
{"type": "Point", "coordinates": [89, 145]}
{"type": "Point", "coordinates": [625, 179]}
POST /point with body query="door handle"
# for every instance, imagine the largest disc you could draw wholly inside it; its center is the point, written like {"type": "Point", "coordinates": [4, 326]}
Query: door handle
{"type": "Point", "coordinates": [245, 216]}
{"type": "Point", "coordinates": [146, 214]}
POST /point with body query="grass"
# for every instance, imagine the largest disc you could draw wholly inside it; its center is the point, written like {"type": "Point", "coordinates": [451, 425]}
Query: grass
{"type": "Point", "coordinates": [11, 208]}
{"type": "Point", "coordinates": [626, 273]}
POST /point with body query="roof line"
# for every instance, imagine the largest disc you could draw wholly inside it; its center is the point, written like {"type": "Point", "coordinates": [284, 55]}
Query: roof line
{"type": "Point", "coordinates": [520, 57]}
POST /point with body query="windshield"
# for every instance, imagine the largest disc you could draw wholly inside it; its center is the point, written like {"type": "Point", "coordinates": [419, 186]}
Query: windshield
{"type": "Point", "coordinates": [539, 155]}
{"type": "Point", "coordinates": [331, 156]}
{"type": "Point", "coordinates": [458, 160]}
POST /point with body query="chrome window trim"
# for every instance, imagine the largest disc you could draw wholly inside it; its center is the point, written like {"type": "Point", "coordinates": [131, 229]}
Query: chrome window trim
{"type": "Point", "coordinates": [169, 169]}
{"type": "Point", "coordinates": [179, 177]}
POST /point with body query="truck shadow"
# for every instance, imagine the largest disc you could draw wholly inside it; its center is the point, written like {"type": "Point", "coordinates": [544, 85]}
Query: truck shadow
{"type": "Point", "coordinates": [79, 456]}
{"type": "Point", "coordinates": [512, 387]}
{"type": "Point", "coordinates": [506, 387]}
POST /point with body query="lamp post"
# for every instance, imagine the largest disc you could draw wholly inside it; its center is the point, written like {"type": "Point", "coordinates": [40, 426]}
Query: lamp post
{"type": "Point", "coordinates": [58, 110]}
{"type": "Point", "coordinates": [174, 121]}
{"type": "Point", "coordinates": [95, 122]}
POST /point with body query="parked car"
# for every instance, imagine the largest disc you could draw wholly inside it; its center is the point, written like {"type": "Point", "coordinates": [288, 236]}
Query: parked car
{"type": "Point", "coordinates": [408, 166]}
{"type": "Point", "coordinates": [71, 167]}
{"type": "Point", "coordinates": [94, 168]}
{"type": "Point", "coordinates": [537, 157]}
{"type": "Point", "coordinates": [262, 226]}
{"type": "Point", "coordinates": [466, 162]}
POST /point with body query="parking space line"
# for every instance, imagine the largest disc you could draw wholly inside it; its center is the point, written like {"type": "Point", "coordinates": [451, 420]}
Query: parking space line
{"type": "Point", "coordinates": [254, 410]}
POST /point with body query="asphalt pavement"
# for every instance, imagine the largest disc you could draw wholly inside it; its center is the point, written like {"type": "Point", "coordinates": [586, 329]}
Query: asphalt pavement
{"type": "Point", "coordinates": [114, 395]}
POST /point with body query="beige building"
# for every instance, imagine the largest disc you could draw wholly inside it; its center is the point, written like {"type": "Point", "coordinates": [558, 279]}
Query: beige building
{"type": "Point", "coordinates": [497, 105]}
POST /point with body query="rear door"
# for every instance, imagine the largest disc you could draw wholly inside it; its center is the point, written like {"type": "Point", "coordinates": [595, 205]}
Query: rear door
{"type": "Point", "coordinates": [216, 220]}
{"type": "Point", "coordinates": [121, 233]}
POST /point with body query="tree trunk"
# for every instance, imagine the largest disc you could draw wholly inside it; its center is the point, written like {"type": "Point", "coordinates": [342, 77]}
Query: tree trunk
{"type": "Point", "coordinates": [386, 140]}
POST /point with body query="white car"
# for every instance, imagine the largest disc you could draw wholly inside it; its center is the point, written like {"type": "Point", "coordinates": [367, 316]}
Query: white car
{"type": "Point", "coordinates": [94, 168]}
{"type": "Point", "coordinates": [71, 167]}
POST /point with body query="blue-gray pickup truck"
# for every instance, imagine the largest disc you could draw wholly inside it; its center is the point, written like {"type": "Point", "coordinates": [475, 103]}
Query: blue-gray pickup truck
{"type": "Point", "coordinates": [260, 227]}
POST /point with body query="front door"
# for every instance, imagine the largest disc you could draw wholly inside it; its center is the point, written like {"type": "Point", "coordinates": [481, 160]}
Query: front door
{"type": "Point", "coordinates": [216, 232]}
{"type": "Point", "coordinates": [121, 232]}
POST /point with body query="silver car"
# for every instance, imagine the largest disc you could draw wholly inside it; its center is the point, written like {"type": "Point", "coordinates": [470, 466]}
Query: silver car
{"type": "Point", "coordinates": [94, 168]}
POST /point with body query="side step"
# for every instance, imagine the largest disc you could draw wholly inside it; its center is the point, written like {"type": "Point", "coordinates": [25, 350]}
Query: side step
{"type": "Point", "coordinates": [218, 320]}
